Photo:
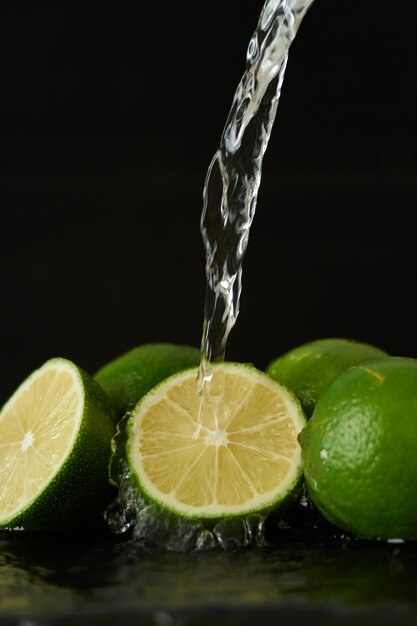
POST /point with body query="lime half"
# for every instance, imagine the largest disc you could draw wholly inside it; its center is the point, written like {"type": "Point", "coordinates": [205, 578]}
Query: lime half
{"type": "Point", "coordinates": [55, 434]}
{"type": "Point", "coordinates": [244, 458]}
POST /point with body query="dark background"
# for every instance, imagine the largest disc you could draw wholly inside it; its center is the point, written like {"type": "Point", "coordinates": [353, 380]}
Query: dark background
{"type": "Point", "coordinates": [108, 121]}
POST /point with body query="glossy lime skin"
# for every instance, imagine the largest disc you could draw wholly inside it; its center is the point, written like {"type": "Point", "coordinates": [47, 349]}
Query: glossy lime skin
{"type": "Point", "coordinates": [310, 368]}
{"type": "Point", "coordinates": [360, 450]}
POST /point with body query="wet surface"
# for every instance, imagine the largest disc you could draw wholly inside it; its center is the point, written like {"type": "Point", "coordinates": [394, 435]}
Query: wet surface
{"type": "Point", "coordinates": [304, 575]}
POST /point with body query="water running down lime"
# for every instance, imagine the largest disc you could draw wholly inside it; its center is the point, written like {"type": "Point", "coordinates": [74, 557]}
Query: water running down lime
{"type": "Point", "coordinates": [233, 179]}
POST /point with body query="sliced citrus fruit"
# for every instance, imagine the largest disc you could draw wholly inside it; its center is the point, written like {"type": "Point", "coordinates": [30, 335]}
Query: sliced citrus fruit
{"type": "Point", "coordinates": [128, 377]}
{"type": "Point", "coordinates": [55, 434]}
{"type": "Point", "coordinates": [243, 457]}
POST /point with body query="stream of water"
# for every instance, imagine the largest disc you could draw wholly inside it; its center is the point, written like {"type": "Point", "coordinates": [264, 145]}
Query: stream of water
{"type": "Point", "coordinates": [233, 179]}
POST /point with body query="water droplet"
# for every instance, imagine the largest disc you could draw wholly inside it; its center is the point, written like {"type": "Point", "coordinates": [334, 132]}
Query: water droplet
{"type": "Point", "coordinates": [232, 534]}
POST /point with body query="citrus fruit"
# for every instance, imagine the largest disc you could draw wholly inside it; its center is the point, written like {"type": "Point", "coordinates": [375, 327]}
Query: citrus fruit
{"type": "Point", "coordinates": [310, 368]}
{"type": "Point", "coordinates": [244, 457]}
{"type": "Point", "coordinates": [359, 450]}
{"type": "Point", "coordinates": [128, 377]}
{"type": "Point", "coordinates": [55, 434]}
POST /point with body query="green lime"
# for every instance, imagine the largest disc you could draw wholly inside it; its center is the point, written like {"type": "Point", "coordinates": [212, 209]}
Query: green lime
{"type": "Point", "coordinates": [241, 456]}
{"type": "Point", "coordinates": [128, 377]}
{"type": "Point", "coordinates": [310, 368]}
{"type": "Point", "coordinates": [55, 434]}
{"type": "Point", "coordinates": [359, 450]}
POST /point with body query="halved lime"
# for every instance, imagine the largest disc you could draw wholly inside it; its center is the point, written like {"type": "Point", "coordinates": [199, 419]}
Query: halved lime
{"type": "Point", "coordinates": [243, 458]}
{"type": "Point", "coordinates": [55, 434]}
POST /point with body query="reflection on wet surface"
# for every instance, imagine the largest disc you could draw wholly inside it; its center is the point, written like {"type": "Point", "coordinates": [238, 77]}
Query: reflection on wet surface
{"type": "Point", "coordinates": [305, 574]}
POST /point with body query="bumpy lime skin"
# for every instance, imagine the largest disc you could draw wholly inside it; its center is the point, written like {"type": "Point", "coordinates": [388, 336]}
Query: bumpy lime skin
{"type": "Point", "coordinates": [310, 368]}
{"type": "Point", "coordinates": [130, 376]}
{"type": "Point", "coordinates": [78, 495]}
{"type": "Point", "coordinates": [360, 450]}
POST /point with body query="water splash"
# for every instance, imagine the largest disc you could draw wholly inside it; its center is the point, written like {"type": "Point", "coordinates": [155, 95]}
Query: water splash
{"type": "Point", "coordinates": [154, 527]}
{"type": "Point", "coordinates": [233, 178]}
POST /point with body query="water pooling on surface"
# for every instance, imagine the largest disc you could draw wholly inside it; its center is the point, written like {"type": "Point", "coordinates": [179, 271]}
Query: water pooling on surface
{"type": "Point", "coordinates": [230, 195]}
{"type": "Point", "coordinates": [233, 179]}
{"type": "Point", "coordinates": [302, 580]}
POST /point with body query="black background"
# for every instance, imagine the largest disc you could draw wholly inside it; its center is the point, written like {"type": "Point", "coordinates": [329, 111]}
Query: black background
{"type": "Point", "coordinates": [109, 118]}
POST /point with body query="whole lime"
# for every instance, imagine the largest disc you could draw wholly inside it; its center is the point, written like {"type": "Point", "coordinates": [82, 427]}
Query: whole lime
{"type": "Point", "coordinates": [360, 450]}
{"type": "Point", "coordinates": [310, 368]}
{"type": "Point", "coordinates": [128, 377]}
